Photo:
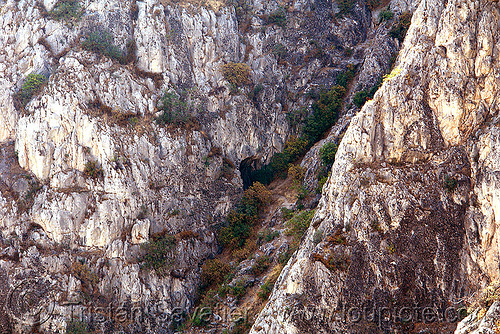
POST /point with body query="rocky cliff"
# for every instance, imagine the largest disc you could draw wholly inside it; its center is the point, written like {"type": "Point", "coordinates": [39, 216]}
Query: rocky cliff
{"type": "Point", "coordinates": [412, 192]}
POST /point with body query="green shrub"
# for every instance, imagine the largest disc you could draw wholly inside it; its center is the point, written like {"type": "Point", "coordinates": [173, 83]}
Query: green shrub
{"type": "Point", "coordinates": [327, 153]}
{"type": "Point", "coordinates": [267, 236]}
{"type": "Point", "coordinates": [401, 28]}
{"type": "Point", "coordinates": [238, 290]}
{"type": "Point", "coordinates": [385, 15]}
{"type": "Point", "coordinates": [450, 183]}
{"type": "Point", "coordinates": [159, 254]}
{"type": "Point", "coordinates": [101, 41]}
{"type": "Point", "coordinates": [213, 272]}
{"type": "Point", "coordinates": [93, 170]}
{"type": "Point", "coordinates": [361, 97]}
{"type": "Point", "coordinates": [278, 18]}
{"type": "Point", "coordinates": [345, 6]}
{"type": "Point", "coordinates": [254, 93]}
{"type": "Point", "coordinates": [299, 224]}
{"type": "Point", "coordinates": [279, 50]}
{"type": "Point", "coordinates": [297, 173]}
{"type": "Point", "coordinates": [321, 182]}
{"type": "Point", "coordinates": [265, 290]}
{"type": "Point", "coordinates": [240, 221]}
{"type": "Point", "coordinates": [33, 84]}
{"type": "Point", "coordinates": [325, 112]}
{"type": "Point", "coordinates": [77, 327]}
{"type": "Point", "coordinates": [261, 265]}
{"type": "Point", "coordinates": [237, 74]}
{"type": "Point", "coordinates": [287, 213]}
{"type": "Point", "coordinates": [175, 110]}
{"type": "Point", "coordinates": [345, 77]}
{"type": "Point", "coordinates": [67, 10]}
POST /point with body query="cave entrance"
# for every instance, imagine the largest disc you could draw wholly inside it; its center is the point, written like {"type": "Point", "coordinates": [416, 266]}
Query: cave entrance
{"type": "Point", "coordinates": [247, 169]}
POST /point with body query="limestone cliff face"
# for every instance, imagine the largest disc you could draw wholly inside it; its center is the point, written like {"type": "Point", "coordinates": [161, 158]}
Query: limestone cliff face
{"type": "Point", "coordinates": [414, 188]}
{"type": "Point", "coordinates": [154, 178]}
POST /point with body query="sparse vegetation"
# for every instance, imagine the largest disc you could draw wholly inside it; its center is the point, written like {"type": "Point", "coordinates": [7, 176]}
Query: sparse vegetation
{"type": "Point", "coordinates": [318, 236]}
{"type": "Point", "coordinates": [375, 225]}
{"type": "Point", "coordinates": [450, 183]}
{"type": "Point", "coordinates": [279, 50]}
{"type": "Point", "coordinates": [67, 10]}
{"type": "Point", "coordinates": [361, 97]}
{"type": "Point", "coordinates": [261, 265]}
{"type": "Point", "coordinates": [241, 220]}
{"type": "Point", "coordinates": [345, 6]}
{"type": "Point", "coordinates": [237, 74]}
{"type": "Point", "coordinates": [321, 182]}
{"type": "Point", "coordinates": [159, 253]}
{"type": "Point", "coordinates": [265, 290]}
{"type": "Point", "coordinates": [385, 15]}
{"type": "Point", "coordinates": [175, 109]}
{"type": "Point", "coordinates": [299, 223]}
{"type": "Point", "coordinates": [93, 170]}
{"type": "Point", "coordinates": [84, 273]}
{"type": "Point", "coordinates": [77, 327]}
{"type": "Point", "coordinates": [267, 236]}
{"type": "Point", "coordinates": [213, 272]}
{"type": "Point", "coordinates": [33, 84]}
{"type": "Point", "coordinates": [297, 173]}
{"type": "Point", "coordinates": [278, 18]}
{"type": "Point", "coordinates": [325, 112]}
{"type": "Point", "coordinates": [401, 28]}
{"type": "Point", "coordinates": [101, 41]}
{"type": "Point", "coordinates": [333, 261]}
{"type": "Point", "coordinates": [327, 153]}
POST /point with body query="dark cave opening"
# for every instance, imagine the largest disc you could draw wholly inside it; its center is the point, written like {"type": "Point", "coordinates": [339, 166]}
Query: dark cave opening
{"type": "Point", "coordinates": [247, 170]}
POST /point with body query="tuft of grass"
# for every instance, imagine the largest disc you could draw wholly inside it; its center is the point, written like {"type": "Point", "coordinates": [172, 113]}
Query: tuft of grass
{"type": "Point", "coordinates": [159, 253]}
{"type": "Point", "coordinates": [101, 41]}
{"type": "Point", "coordinates": [67, 10]}
{"type": "Point", "coordinates": [450, 183]}
{"type": "Point", "coordinates": [93, 170]}
{"type": "Point", "coordinates": [33, 85]}
{"type": "Point", "coordinates": [385, 15]}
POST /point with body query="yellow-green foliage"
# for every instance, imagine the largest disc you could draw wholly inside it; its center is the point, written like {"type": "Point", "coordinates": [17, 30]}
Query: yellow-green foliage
{"type": "Point", "coordinates": [394, 73]}
{"type": "Point", "coordinates": [237, 74]}
{"type": "Point", "coordinates": [297, 173]}
{"type": "Point", "coordinates": [298, 225]}
{"type": "Point", "coordinates": [31, 86]}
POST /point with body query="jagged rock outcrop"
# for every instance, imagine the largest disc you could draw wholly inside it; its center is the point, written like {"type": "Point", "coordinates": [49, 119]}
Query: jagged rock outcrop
{"type": "Point", "coordinates": [413, 189]}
